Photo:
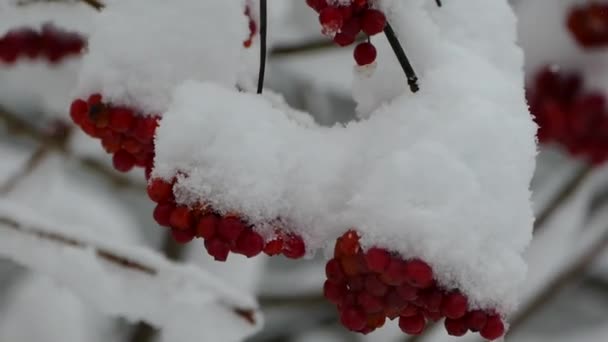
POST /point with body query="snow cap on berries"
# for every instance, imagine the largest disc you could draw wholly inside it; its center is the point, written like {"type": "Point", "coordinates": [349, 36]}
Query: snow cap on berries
{"type": "Point", "coordinates": [141, 49]}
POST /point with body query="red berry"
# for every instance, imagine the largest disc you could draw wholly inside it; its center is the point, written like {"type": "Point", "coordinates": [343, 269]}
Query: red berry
{"type": "Point", "coordinates": [454, 305]}
{"type": "Point", "coordinates": [145, 128]}
{"type": "Point", "coordinates": [476, 320]}
{"type": "Point", "coordinates": [373, 22]}
{"type": "Point", "coordinates": [353, 319]}
{"type": "Point", "coordinates": [182, 236]}
{"type": "Point", "coordinates": [456, 327]}
{"type": "Point", "coordinates": [333, 271]}
{"type": "Point", "coordinates": [181, 218]}
{"type": "Point", "coordinates": [374, 286]}
{"type": "Point", "coordinates": [334, 292]}
{"type": "Point", "coordinates": [159, 190]}
{"type": "Point", "coordinates": [207, 226]}
{"type": "Point", "coordinates": [419, 273]}
{"type": "Point", "coordinates": [121, 119]}
{"type": "Point", "coordinates": [365, 53]}
{"type": "Point", "coordinates": [369, 303]}
{"type": "Point", "coordinates": [494, 328]}
{"type": "Point", "coordinates": [162, 214]}
{"type": "Point", "coordinates": [331, 18]}
{"type": "Point", "coordinates": [343, 39]}
{"type": "Point", "coordinates": [407, 292]}
{"type": "Point", "coordinates": [250, 243]}
{"type": "Point", "coordinates": [377, 259]}
{"type": "Point", "coordinates": [123, 161]}
{"type": "Point", "coordinates": [348, 244]}
{"type": "Point", "coordinates": [78, 111]}
{"type": "Point", "coordinates": [230, 228]}
{"type": "Point", "coordinates": [395, 272]}
{"type": "Point", "coordinates": [273, 247]}
{"type": "Point", "coordinates": [409, 311]}
{"type": "Point", "coordinates": [294, 247]}
{"type": "Point", "coordinates": [218, 249]}
{"type": "Point", "coordinates": [413, 325]}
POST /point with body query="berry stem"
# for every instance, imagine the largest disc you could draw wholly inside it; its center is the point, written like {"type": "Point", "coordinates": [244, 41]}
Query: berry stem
{"type": "Point", "coordinates": [263, 33]}
{"type": "Point", "coordinates": [95, 4]}
{"type": "Point", "coordinates": [412, 79]}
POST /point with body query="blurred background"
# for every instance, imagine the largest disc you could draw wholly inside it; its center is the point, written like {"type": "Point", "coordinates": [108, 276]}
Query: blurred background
{"type": "Point", "coordinates": [54, 169]}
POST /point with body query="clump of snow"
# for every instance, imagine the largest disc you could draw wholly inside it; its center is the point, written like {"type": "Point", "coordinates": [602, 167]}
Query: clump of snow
{"type": "Point", "coordinates": [552, 42]}
{"type": "Point", "coordinates": [141, 49]}
{"type": "Point", "coordinates": [441, 175]}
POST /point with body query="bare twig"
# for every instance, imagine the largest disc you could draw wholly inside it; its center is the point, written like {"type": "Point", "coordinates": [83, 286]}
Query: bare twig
{"type": "Point", "coordinates": [95, 4]}
{"type": "Point", "coordinates": [263, 48]}
{"type": "Point", "coordinates": [568, 189]}
{"type": "Point", "coordinates": [32, 163]}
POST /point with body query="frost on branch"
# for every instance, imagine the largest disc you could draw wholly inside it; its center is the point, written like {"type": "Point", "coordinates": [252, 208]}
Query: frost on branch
{"type": "Point", "coordinates": [127, 281]}
{"type": "Point", "coordinates": [418, 178]}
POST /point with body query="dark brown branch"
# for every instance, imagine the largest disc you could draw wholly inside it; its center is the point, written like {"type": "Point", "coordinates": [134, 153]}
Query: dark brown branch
{"type": "Point", "coordinates": [95, 4]}
{"type": "Point", "coordinates": [410, 74]}
{"type": "Point", "coordinates": [263, 47]}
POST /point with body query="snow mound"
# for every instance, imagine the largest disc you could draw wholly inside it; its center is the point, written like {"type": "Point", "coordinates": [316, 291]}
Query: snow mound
{"type": "Point", "coordinates": [141, 49]}
{"type": "Point", "coordinates": [441, 175]}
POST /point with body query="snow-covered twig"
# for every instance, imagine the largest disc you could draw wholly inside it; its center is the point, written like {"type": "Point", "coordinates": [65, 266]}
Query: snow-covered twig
{"type": "Point", "coordinates": [34, 160]}
{"type": "Point", "coordinates": [123, 280]}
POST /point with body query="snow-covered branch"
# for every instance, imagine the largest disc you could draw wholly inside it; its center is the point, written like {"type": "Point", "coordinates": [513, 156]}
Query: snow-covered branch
{"type": "Point", "coordinates": [128, 281]}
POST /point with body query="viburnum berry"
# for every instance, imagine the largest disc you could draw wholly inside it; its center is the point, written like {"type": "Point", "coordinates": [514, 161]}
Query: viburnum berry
{"type": "Point", "coordinates": [373, 22]}
{"type": "Point", "coordinates": [365, 53]}
{"type": "Point", "coordinates": [588, 23]}
{"type": "Point", "coordinates": [50, 42]}
{"type": "Point", "coordinates": [493, 329]}
{"type": "Point", "coordinates": [379, 284]}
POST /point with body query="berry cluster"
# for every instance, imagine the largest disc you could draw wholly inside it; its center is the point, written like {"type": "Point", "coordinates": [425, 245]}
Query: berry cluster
{"type": "Point", "coordinates": [50, 42]}
{"type": "Point", "coordinates": [222, 233]}
{"type": "Point", "coordinates": [588, 23]}
{"type": "Point", "coordinates": [369, 287]}
{"type": "Point", "coordinates": [253, 27]}
{"type": "Point", "coordinates": [345, 22]}
{"type": "Point", "coordinates": [123, 132]}
{"type": "Point", "coordinates": [569, 115]}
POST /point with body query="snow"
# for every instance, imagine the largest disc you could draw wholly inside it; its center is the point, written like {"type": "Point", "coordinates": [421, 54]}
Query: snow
{"type": "Point", "coordinates": [140, 50]}
{"type": "Point", "coordinates": [418, 177]}
{"type": "Point", "coordinates": [552, 43]}
{"type": "Point", "coordinates": [163, 294]}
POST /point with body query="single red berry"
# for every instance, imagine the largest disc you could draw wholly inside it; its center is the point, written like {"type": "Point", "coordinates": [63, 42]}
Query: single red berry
{"type": "Point", "coordinates": [123, 161]}
{"type": "Point", "coordinates": [494, 328]}
{"type": "Point", "coordinates": [181, 218]}
{"type": "Point", "coordinates": [294, 247]}
{"type": "Point", "coordinates": [182, 236]}
{"type": "Point", "coordinates": [454, 305]}
{"type": "Point", "coordinates": [377, 259]}
{"type": "Point", "coordinates": [376, 320]}
{"type": "Point", "coordinates": [374, 286]}
{"type": "Point", "coordinates": [395, 273]}
{"type": "Point", "coordinates": [369, 303]}
{"type": "Point", "coordinates": [419, 273]}
{"type": "Point", "coordinates": [347, 244]}
{"type": "Point", "coordinates": [274, 247]}
{"type": "Point", "coordinates": [162, 214]}
{"type": "Point", "coordinates": [413, 325]}
{"type": "Point", "coordinates": [207, 226]}
{"type": "Point", "coordinates": [230, 228]}
{"type": "Point", "coordinates": [407, 292]}
{"type": "Point", "coordinates": [456, 327]}
{"type": "Point", "coordinates": [78, 111]}
{"type": "Point", "coordinates": [334, 292]}
{"type": "Point", "coordinates": [94, 99]}
{"type": "Point", "coordinates": [218, 249]}
{"type": "Point", "coordinates": [331, 18]}
{"type": "Point", "coordinates": [160, 190]}
{"type": "Point", "coordinates": [373, 22]}
{"type": "Point", "coordinates": [343, 39]}
{"type": "Point", "coordinates": [365, 54]}
{"type": "Point", "coordinates": [250, 243]}
{"type": "Point", "coordinates": [353, 319]}
{"type": "Point", "coordinates": [333, 271]}
{"type": "Point", "coordinates": [121, 119]}
{"type": "Point", "coordinates": [350, 265]}
{"type": "Point", "coordinates": [476, 320]}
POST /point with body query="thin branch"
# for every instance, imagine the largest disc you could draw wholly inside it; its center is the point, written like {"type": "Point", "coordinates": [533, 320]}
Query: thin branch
{"type": "Point", "coordinates": [438, 2]}
{"type": "Point", "coordinates": [128, 264]}
{"type": "Point", "coordinates": [95, 4]}
{"type": "Point", "coordinates": [32, 163]}
{"type": "Point", "coordinates": [412, 79]}
{"type": "Point", "coordinates": [566, 192]}
{"type": "Point", "coordinates": [263, 47]}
